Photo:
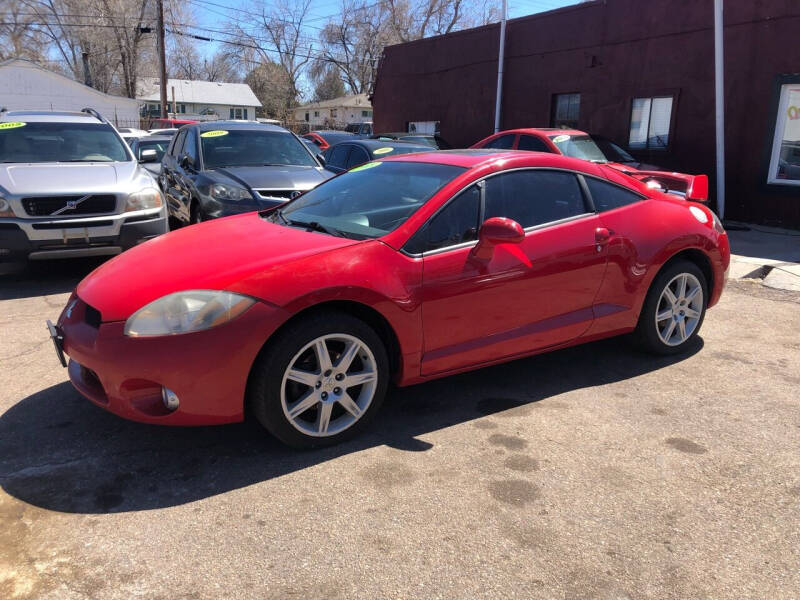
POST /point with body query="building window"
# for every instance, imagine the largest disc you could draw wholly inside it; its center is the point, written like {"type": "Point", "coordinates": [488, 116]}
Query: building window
{"type": "Point", "coordinates": [306, 116]}
{"type": "Point", "coordinates": [784, 164]}
{"type": "Point", "coordinates": [238, 113]}
{"type": "Point", "coordinates": [366, 113]}
{"type": "Point", "coordinates": [566, 110]}
{"type": "Point", "coordinates": [333, 113]}
{"type": "Point", "coordinates": [431, 127]}
{"type": "Point", "coordinates": [650, 123]}
{"type": "Point", "coordinates": [316, 113]}
{"type": "Point", "coordinates": [182, 109]}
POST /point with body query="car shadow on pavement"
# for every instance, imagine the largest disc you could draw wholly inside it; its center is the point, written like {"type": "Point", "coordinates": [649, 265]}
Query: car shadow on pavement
{"type": "Point", "coordinates": [60, 452]}
{"type": "Point", "coordinates": [44, 278]}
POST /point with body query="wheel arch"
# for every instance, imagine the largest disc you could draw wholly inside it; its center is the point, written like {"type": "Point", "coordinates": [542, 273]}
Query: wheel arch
{"type": "Point", "coordinates": [696, 256]}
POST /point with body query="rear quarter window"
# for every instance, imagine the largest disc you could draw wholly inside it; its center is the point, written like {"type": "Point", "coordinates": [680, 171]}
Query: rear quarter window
{"type": "Point", "coordinates": [607, 196]}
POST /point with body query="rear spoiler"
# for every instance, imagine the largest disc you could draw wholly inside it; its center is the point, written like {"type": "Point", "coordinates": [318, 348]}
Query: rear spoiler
{"type": "Point", "coordinates": [691, 187]}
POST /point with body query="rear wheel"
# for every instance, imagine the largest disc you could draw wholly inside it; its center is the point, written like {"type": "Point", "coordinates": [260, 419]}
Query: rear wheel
{"type": "Point", "coordinates": [674, 309]}
{"type": "Point", "coordinates": [321, 381]}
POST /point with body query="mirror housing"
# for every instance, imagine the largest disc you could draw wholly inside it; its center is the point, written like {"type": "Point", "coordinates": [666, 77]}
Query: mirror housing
{"type": "Point", "coordinates": [186, 161]}
{"type": "Point", "coordinates": [148, 156]}
{"type": "Point", "coordinates": [494, 231]}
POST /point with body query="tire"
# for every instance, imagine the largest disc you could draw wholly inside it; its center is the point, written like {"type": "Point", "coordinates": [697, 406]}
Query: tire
{"type": "Point", "coordinates": [275, 395]}
{"type": "Point", "coordinates": [681, 320]}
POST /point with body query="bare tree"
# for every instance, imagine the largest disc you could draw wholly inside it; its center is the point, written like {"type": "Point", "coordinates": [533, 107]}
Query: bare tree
{"type": "Point", "coordinates": [19, 36]}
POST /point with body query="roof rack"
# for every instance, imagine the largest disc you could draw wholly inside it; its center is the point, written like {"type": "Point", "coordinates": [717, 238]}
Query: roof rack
{"type": "Point", "coordinates": [95, 114]}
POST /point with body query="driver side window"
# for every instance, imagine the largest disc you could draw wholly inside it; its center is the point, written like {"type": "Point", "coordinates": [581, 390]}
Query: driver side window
{"type": "Point", "coordinates": [456, 223]}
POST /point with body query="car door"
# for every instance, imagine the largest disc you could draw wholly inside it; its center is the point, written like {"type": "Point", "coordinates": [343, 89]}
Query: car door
{"type": "Point", "coordinates": [186, 175]}
{"type": "Point", "coordinates": [169, 173]}
{"type": "Point", "coordinates": [527, 296]}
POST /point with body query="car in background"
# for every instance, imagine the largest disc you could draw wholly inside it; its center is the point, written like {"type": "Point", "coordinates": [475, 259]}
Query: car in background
{"type": "Point", "coordinates": [166, 132]}
{"type": "Point", "coordinates": [347, 155]}
{"type": "Point", "coordinates": [404, 270]}
{"type": "Point", "coordinates": [579, 144]}
{"type": "Point", "coordinates": [434, 140]}
{"type": "Point", "coordinates": [170, 123]}
{"type": "Point", "coordinates": [70, 186]}
{"type": "Point", "coordinates": [220, 168]}
{"type": "Point", "coordinates": [324, 139]}
{"type": "Point", "coordinates": [130, 133]}
{"type": "Point", "coordinates": [362, 129]}
{"type": "Point", "coordinates": [150, 150]}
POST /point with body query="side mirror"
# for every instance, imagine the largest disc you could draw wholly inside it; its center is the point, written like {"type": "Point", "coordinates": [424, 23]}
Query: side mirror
{"type": "Point", "coordinates": [186, 161]}
{"type": "Point", "coordinates": [494, 231]}
{"type": "Point", "coordinates": [147, 156]}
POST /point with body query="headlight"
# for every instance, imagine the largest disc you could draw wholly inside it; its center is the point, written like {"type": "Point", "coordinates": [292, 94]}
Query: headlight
{"type": "Point", "coordinates": [221, 191]}
{"type": "Point", "coordinates": [5, 208]}
{"type": "Point", "coordinates": [184, 312]}
{"type": "Point", "coordinates": [146, 198]}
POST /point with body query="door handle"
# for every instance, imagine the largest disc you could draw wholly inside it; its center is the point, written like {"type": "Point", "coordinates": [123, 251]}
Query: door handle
{"type": "Point", "coordinates": [602, 235]}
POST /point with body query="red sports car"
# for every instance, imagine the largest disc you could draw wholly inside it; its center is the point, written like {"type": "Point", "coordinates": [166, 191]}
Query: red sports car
{"type": "Point", "coordinates": [405, 270]}
{"type": "Point", "coordinates": [579, 144]}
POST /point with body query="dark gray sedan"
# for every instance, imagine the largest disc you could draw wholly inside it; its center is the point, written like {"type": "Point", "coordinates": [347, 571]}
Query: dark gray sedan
{"type": "Point", "coordinates": [221, 168]}
{"type": "Point", "coordinates": [149, 150]}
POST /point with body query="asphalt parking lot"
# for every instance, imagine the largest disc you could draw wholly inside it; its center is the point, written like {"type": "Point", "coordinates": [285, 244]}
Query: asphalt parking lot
{"type": "Point", "coordinates": [592, 472]}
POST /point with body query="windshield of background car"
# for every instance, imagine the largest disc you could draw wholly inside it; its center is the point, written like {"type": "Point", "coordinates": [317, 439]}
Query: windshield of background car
{"type": "Point", "coordinates": [252, 148]}
{"type": "Point", "coordinates": [578, 146]}
{"type": "Point", "coordinates": [390, 149]}
{"type": "Point", "coordinates": [371, 200]}
{"type": "Point", "coordinates": [160, 147]}
{"type": "Point", "coordinates": [60, 142]}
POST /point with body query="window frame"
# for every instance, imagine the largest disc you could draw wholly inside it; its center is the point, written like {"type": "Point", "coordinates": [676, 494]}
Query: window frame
{"type": "Point", "coordinates": [588, 204]}
{"type": "Point", "coordinates": [670, 130]}
{"type": "Point", "coordinates": [777, 115]}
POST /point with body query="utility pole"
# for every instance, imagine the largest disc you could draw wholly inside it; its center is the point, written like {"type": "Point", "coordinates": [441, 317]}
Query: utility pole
{"type": "Point", "coordinates": [162, 59]}
{"type": "Point", "coordinates": [719, 109]}
{"type": "Point", "coordinates": [501, 59]}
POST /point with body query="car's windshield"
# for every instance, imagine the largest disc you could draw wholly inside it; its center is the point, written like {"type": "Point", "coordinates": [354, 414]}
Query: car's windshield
{"type": "Point", "coordinates": [612, 151]}
{"type": "Point", "coordinates": [251, 148]}
{"type": "Point", "coordinates": [60, 142]}
{"type": "Point", "coordinates": [368, 201]}
{"type": "Point", "coordinates": [578, 146]}
{"type": "Point", "coordinates": [160, 146]}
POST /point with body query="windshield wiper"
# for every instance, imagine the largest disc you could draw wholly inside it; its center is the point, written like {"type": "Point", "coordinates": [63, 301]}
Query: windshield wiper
{"type": "Point", "coordinates": [313, 226]}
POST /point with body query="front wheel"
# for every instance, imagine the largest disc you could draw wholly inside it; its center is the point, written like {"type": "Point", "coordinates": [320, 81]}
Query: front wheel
{"type": "Point", "coordinates": [674, 309]}
{"type": "Point", "coordinates": [320, 381]}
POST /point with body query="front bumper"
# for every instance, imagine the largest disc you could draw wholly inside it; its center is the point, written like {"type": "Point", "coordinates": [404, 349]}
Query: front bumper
{"type": "Point", "coordinates": [208, 370]}
{"type": "Point", "coordinates": [40, 239]}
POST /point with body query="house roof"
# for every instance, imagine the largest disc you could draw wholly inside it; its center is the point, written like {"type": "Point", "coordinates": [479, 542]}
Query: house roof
{"type": "Point", "coordinates": [21, 62]}
{"type": "Point", "coordinates": [198, 92]}
{"type": "Point", "coordinates": [357, 100]}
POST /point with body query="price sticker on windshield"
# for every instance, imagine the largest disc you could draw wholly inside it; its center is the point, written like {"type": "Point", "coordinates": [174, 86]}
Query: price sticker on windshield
{"type": "Point", "coordinates": [560, 138]}
{"type": "Point", "coordinates": [369, 165]}
{"type": "Point", "coordinates": [212, 134]}
{"type": "Point", "coordinates": [12, 125]}
{"type": "Point", "coordinates": [384, 150]}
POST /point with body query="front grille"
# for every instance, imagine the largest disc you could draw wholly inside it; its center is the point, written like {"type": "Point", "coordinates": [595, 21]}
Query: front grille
{"type": "Point", "coordinates": [72, 225]}
{"type": "Point", "coordinates": [286, 194]}
{"type": "Point", "coordinates": [44, 206]}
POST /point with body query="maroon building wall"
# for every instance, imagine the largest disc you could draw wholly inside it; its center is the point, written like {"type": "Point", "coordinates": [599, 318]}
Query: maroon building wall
{"type": "Point", "coordinates": [611, 51]}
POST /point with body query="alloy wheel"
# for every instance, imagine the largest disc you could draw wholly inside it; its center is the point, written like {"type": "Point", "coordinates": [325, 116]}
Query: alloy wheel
{"type": "Point", "coordinates": [679, 309]}
{"type": "Point", "coordinates": [329, 384]}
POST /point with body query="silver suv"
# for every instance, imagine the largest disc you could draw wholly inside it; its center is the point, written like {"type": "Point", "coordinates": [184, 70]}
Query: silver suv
{"type": "Point", "coordinates": [70, 186]}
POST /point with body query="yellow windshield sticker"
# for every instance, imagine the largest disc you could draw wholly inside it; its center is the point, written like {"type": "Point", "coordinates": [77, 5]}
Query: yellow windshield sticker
{"type": "Point", "coordinates": [215, 133]}
{"type": "Point", "coordinates": [12, 125]}
{"type": "Point", "coordinates": [384, 150]}
{"type": "Point", "coordinates": [368, 165]}
{"type": "Point", "coordinates": [560, 138]}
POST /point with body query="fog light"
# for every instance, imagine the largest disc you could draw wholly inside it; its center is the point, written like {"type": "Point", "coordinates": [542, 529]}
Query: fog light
{"type": "Point", "coordinates": [169, 398]}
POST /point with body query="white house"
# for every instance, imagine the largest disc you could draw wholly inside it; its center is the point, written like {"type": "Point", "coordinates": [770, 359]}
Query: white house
{"type": "Point", "coordinates": [199, 99]}
{"type": "Point", "coordinates": [339, 111]}
{"type": "Point", "coordinates": [27, 86]}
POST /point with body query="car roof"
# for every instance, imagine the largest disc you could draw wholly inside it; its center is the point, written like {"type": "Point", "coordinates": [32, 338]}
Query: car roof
{"type": "Point", "coordinates": [237, 125]}
{"type": "Point", "coordinates": [48, 116]}
{"type": "Point", "coordinates": [479, 157]}
{"type": "Point", "coordinates": [154, 138]}
{"type": "Point", "coordinates": [323, 131]}
{"type": "Point", "coordinates": [370, 144]}
{"type": "Point", "coordinates": [545, 131]}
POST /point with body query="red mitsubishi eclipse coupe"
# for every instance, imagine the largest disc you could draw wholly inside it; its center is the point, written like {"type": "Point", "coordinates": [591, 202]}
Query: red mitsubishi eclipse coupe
{"type": "Point", "coordinates": [404, 269]}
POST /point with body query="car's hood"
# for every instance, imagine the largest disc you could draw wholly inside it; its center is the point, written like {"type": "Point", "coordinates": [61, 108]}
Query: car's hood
{"type": "Point", "coordinates": [287, 177]}
{"type": "Point", "coordinates": [212, 255]}
{"type": "Point", "coordinates": [66, 178]}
